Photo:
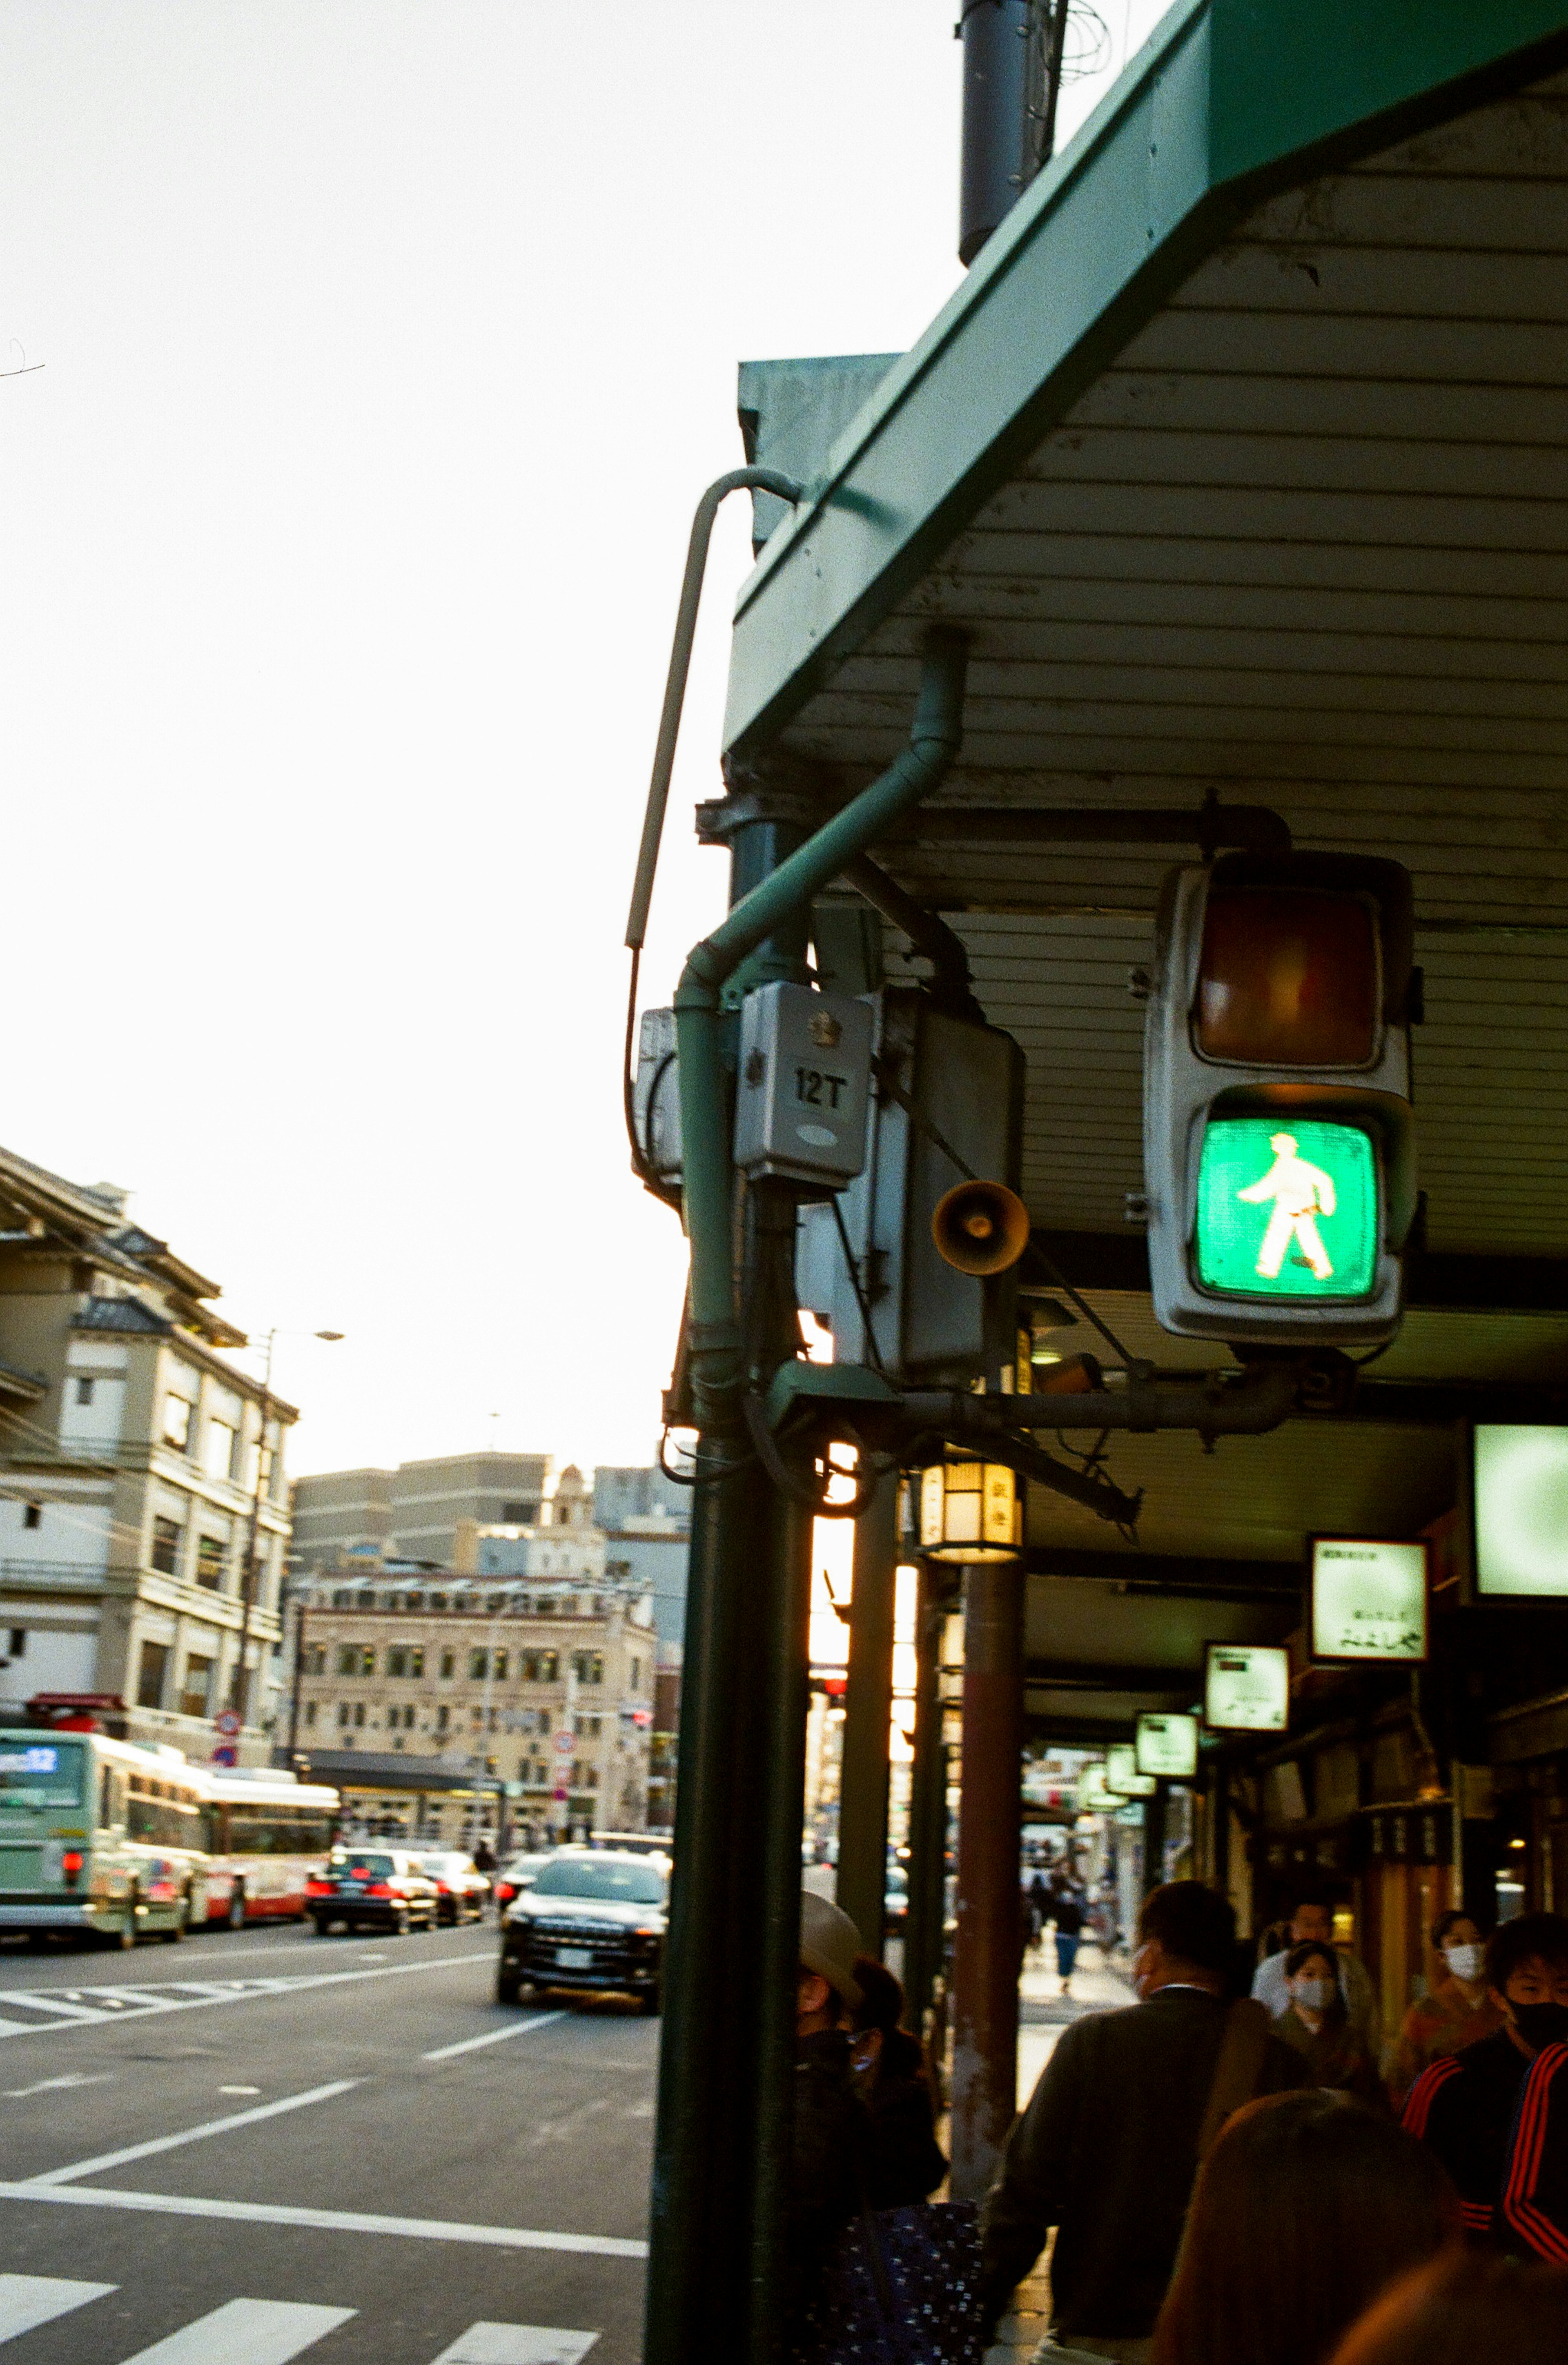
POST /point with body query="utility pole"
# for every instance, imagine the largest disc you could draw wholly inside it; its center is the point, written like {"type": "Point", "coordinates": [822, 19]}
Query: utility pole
{"type": "Point", "coordinates": [248, 1578]}
{"type": "Point", "coordinates": [862, 1882]}
{"type": "Point", "coordinates": [987, 1953]}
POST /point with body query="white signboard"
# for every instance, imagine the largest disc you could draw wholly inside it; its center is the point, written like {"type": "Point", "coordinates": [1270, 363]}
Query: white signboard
{"type": "Point", "coordinates": [1246, 1688]}
{"type": "Point", "coordinates": [1168, 1745]}
{"type": "Point", "coordinates": [1369, 1599]}
{"type": "Point", "coordinates": [1122, 1777]}
{"type": "Point", "coordinates": [1521, 1510]}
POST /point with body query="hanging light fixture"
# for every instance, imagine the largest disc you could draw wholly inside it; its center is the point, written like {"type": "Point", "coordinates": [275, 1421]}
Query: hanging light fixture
{"type": "Point", "coordinates": [969, 1511]}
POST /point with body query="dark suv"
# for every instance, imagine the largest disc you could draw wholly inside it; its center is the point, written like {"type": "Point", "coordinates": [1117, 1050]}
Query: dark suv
{"type": "Point", "coordinates": [372, 1889]}
{"type": "Point", "coordinates": [592, 1922]}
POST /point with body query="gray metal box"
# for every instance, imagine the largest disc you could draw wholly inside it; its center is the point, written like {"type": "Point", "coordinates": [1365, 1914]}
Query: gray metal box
{"type": "Point", "coordinates": [655, 1097]}
{"type": "Point", "coordinates": [804, 1084]}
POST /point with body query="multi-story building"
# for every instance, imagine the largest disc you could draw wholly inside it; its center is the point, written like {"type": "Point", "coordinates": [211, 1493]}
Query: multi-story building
{"type": "Point", "coordinates": [414, 1512]}
{"type": "Point", "coordinates": [536, 1673]}
{"type": "Point", "coordinates": [139, 1472]}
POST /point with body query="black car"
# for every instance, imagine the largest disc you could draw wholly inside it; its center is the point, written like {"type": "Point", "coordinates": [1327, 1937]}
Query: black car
{"type": "Point", "coordinates": [373, 1888]}
{"type": "Point", "coordinates": [592, 1924]}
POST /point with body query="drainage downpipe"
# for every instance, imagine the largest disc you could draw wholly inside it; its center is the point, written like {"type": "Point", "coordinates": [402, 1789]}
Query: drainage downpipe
{"type": "Point", "coordinates": [713, 1335]}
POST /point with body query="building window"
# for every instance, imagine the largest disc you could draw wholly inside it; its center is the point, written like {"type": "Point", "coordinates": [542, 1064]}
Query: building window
{"type": "Point", "coordinates": [210, 1562]}
{"type": "Point", "coordinates": [32, 1515]}
{"type": "Point", "coordinates": [502, 1662]}
{"type": "Point", "coordinates": [85, 1392]}
{"type": "Point", "coordinates": [310, 1711]}
{"type": "Point", "coordinates": [356, 1659]}
{"type": "Point", "coordinates": [448, 1665]}
{"type": "Point", "coordinates": [343, 1712]}
{"type": "Point", "coordinates": [588, 1667]}
{"type": "Point", "coordinates": [478, 1666]}
{"type": "Point", "coordinates": [166, 1535]}
{"type": "Point", "coordinates": [441, 1716]}
{"type": "Point", "coordinates": [359, 1712]}
{"type": "Point", "coordinates": [177, 1422]}
{"type": "Point", "coordinates": [438, 1601]}
{"type": "Point", "coordinates": [406, 1659]}
{"type": "Point", "coordinates": [17, 1643]}
{"type": "Point", "coordinates": [222, 1446]}
{"type": "Point", "coordinates": [546, 1609]}
{"type": "Point", "coordinates": [637, 1673]}
{"type": "Point", "coordinates": [151, 1671]}
{"type": "Point", "coordinates": [196, 1697]}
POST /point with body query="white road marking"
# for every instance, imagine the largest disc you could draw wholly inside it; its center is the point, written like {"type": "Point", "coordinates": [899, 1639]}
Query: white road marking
{"type": "Point", "coordinates": [329, 2221]}
{"type": "Point", "coordinates": [516, 2344]}
{"type": "Point", "coordinates": [179, 1998]}
{"type": "Point", "coordinates": [58, 2085]}
{"type": "Point", "coordinates": [246, 2331]}
{"type": "Point", "coordinates": [28, 2301]}
{"type": "Point", "coordinates": [239, 2090]}
{"type": "Point", "coordinates": [194, 2135]}
{"type": "Point", "coordinates": [493, 2036]}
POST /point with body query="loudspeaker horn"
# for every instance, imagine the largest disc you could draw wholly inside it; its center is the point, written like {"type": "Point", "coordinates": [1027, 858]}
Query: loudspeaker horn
{"type": "Point", "coordinates": [980, 1227]}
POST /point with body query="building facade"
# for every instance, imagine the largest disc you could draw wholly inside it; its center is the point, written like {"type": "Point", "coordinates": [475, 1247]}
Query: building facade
{"type": "Point", "coordinates": [534, 1679]}
{"type": "Point", "coordinates": [139, 1472]}
{"type": "Point", "coordinates": [414, 1512]}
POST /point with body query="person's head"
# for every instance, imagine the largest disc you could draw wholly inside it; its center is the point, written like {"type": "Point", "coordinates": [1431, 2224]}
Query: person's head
{"type": "Point", "coordinates": [1457, 1943]}
{"type": "Point", "coordinates": [1312, 1916]}
{"type": "Point", "coordinates": [1306, 2208]}
{"type": "Point", "coordinates": [881, 1997]}
{"type": "Point", "coordinates": [1459, 2309]}
{"type": "Point", "coordinates": [1527, 1971]}
{"type": "Point", "coordinates": [1312, 1976]}
{"type": "Point", "coordinates": [827, 1985]}
{"type": "Point", "coordinates": [1186, 1936]}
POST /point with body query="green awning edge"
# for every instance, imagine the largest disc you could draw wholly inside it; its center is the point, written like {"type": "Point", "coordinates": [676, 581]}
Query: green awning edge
{"type": "Point", "coordinates": [1228, 102]}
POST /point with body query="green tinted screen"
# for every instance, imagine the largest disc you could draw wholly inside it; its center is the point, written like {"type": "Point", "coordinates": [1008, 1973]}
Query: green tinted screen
{"type": "Point", "coordinates": [1287, 1207]}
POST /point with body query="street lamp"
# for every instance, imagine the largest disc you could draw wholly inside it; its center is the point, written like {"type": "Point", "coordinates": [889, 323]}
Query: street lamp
{"type": "Point", "coordinates": [248, 1580]}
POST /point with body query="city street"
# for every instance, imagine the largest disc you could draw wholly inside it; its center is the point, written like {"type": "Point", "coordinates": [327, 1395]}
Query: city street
{"type": "Point", "coordinates": [255, 2147]}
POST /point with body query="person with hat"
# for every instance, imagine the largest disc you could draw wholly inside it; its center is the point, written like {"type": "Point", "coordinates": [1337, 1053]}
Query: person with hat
{"type": "Point", "coordinates": [832, 2122]}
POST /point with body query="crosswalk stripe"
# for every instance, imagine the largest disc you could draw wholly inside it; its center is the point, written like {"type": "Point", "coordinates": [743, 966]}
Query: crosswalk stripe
{"type": "Point", "coordinates": [246, 2331]}
{"type": "Point", "coordinates": [66, 2016]}
{"type": "Point", "coordinates": [38, 2189]}
{"type": "Point", "coordinates": [28, 2301]}
{"type": "Point", "coordinates": [516, 2344]}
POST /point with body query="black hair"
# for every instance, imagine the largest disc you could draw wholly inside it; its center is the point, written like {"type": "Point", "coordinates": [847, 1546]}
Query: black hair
{"type": "Point", "coordinates": [1193, 1925]}
{"type": "Point", "coordinates": [1299, 1957]}
{"type": "Point", "coordinates": [1446, 1921]}
{"type": "Point", "coordinates": [881, 1997]}
{"type": "Point", "coordinates": [1529, 1936]}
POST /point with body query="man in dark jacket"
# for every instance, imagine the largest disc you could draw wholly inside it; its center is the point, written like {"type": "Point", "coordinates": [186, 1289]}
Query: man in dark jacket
{"type": "Point", "coordinates": [1107, 2151]}
{"type": "Point", "coordinates": [832, 2125]}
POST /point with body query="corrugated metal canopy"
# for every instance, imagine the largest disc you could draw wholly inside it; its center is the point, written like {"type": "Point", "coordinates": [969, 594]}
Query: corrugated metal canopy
{"type": "Point", "coordinates": [1240, 457]}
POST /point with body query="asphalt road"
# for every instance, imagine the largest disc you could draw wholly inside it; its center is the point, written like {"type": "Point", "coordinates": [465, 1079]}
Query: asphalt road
{"type": "Point", "coordinates": [268, 2145]}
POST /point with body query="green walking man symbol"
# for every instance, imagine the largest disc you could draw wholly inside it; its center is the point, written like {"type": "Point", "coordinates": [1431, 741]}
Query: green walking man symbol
{"type": "Point", "coordinates": [1301, 1192]}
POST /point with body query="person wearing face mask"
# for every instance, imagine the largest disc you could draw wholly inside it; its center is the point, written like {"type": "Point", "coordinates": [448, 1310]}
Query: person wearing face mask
{"type": "Point", "coordinates": [1312, 1917]}
{"type": "Point", "coordinates": [1464, 2105]}
{"type": "Point", "coordinates": [1456, 2013]}
{"type": "Point", "coordinates": [1317, 2025]}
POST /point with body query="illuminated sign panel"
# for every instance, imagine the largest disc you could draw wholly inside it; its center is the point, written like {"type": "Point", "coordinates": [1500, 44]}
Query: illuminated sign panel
{"type": "Point", "coordinates": [1286, 1209]}
{"type": "Point", "coordinates": [1168, 1745]}
{"type": "Point", "coordinates": [1369, 1599]}
{"type": "Point", "coordinates": [1123, 1778]}
{"type": "Point", "coordinates": [1522, 1511]}
{"type": "Point", "coordinates": [1246, 1688]}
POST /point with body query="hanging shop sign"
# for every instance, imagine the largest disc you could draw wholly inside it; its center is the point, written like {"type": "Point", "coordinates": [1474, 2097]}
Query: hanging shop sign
{"type": "Point", "coordinates": [1168, 1745]}
{"type": "Point", "coordinates": [1246, 1688]}
{"type": "Point", "coordinates": [1123, 1778]}
{"type": "Point", "coordinates": [1520, 1506]}
{"type": "Point", "coordinates": [1094, 1796]}
{"type": "Point", "coordinates": [1368, 1599]}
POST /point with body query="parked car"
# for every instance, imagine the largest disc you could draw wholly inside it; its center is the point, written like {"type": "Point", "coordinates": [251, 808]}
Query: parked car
{"type": "Point", "coordinates": [372, 1889]}
{"type": "Point", "coordinates": [517, 1873]}
{"type": "Point", "coordinates": [462, 1890]}
{"type": "Point", "coordinates": [591, 1923]}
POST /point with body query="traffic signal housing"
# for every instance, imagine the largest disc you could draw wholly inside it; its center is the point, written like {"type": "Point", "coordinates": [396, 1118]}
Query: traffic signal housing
{"type": "Point", "coordinates": [1279, 1141]}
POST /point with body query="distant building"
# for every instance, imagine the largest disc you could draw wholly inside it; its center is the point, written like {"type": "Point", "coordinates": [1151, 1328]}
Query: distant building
{"type": "Point", "coordinates": [647, 1520]}
{"type": "Point", "coordinates": [135, 1459]}
{"type": "Point", "coordinates": [418, 1692]}
{"type": "Point", "coordinates": [413, 1511]}
{"type": "Point", "coordinates": [620, 1494]}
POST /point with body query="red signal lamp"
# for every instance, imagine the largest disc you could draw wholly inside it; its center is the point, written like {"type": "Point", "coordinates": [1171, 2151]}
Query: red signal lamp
{"type": "Point", "coordinates": [1287, 978]}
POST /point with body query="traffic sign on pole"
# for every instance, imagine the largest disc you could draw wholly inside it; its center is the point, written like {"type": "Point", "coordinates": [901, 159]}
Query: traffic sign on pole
{"type": "Point", "coordinates": [228, 1722]}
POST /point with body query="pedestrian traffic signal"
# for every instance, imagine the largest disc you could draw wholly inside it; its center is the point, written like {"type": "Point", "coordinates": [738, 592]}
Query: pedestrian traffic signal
{"type": "Point", "coordinates": [1278, 1143]}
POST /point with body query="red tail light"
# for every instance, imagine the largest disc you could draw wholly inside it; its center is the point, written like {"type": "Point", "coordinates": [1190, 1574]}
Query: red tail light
{"type": "Point", "coordinates": [379, 1888]}
{"type": "Point", "coordinates": [504, 1890]}
{"type": "Point", "coordinates": [442, 1889]}
{"type": "Point", "coordinates": [70, 1863]}
{"type": "Point", "coordinates": [317, 1888]}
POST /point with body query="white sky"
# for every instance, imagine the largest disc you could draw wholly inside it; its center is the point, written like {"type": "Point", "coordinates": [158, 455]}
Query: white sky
{"type": "Point", "coordinates": [387, 347]}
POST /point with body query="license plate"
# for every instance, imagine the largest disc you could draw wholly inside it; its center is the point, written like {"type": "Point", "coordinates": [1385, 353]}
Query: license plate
{"type": "Point", "coordinates": [574, 1959]}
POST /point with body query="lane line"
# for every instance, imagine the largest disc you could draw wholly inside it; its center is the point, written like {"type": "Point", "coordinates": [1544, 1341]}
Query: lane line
{"type": "Point", "coordinates": [328, 2221]}
{"type": "Point", "coordinates": [516, 2344]}
{"type": "Point", "coordinates": [315, 1948]}
{"type": "Point", "coordinates": [58, 2085]}
{"type": "Point", "coordinates": [69, 2012]}
{"type": "Point", "coordinates": [246, 2331]}
{"type": "Point", "coordinates": [261, 1991]}
{"type": "Point", "coordinates": [194, 2134]}
{"type": "Point", "coordinates": [28, 2301]}
{"type": "Point", "coordinates": [492, 2037]}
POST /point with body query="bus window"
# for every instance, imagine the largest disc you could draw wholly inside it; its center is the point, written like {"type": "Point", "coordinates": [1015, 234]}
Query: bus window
{"type": "Point", "coordinates": [111, 1799]}
{"type": "Point", "coordinates": [40, 1774]}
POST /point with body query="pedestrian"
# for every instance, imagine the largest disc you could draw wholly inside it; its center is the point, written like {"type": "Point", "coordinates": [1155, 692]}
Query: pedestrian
{"type": "Point", "coordinates": [1319, 2027]}
{"type": "Point", "coordinates": [1306, 2210]}
{"type": "Point", "coordinates": [1067, 1913]}
{"type": "Point", "coordinates": [1455, 2012]}
{"type": "Point", "coordinates": [1457, 2310]}
{"type": "Point", "coordinates": [484, 1853]}
{"type": "Point", "coordinates": [1463, 2104]}
{"type": "Point", "coordinates": [904, 2162]}
{"type": "Point", "coordinates": [832, 2125]}
{"type": "Point", "coordinates": [1108, 2147]}
{"type": "Point", "coordinates": [1313, 1916]}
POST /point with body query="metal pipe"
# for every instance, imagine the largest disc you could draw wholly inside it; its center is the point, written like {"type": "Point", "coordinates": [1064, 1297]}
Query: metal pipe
{"type": "Point", "coordinates": [1217, 1405]}
{"type": "Point", "coordinates": [737, 480]}
{"type": "Point", "coordinates": [952, 987]}
{"type": "Point", "coordinates": [708, 1180]}
{"type": "Point", "coordinates": [987, 1951]}
{"type": "Point", "coordinates": [996, 75]}
{"type": "Point", "coordinates": [862, 1877]}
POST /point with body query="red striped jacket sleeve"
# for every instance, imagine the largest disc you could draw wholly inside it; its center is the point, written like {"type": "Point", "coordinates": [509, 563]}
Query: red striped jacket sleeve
{"type": "Point", "coordinates": [1419, 2102]}
{"type": "Point", "coordinates": [1535, 2175]}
